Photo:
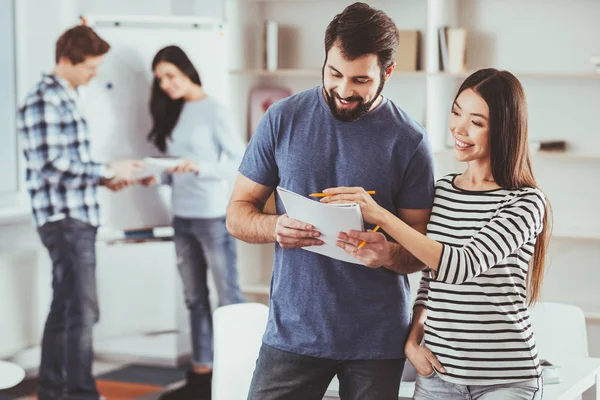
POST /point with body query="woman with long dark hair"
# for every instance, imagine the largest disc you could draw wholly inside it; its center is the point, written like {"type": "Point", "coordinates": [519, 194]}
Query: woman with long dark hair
{"type": "Point", "coordinates": [190, 124]}
{"type": "Point", "coordinates": [484, 252]}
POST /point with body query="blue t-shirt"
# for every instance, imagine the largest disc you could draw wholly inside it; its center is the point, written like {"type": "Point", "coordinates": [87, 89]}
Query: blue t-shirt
{"type": "Point", "coordinates": [320, 306]}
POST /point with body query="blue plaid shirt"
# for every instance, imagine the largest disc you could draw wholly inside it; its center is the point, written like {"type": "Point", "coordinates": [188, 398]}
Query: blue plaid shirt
{"type": "Point", "coordinates": [61, 177]}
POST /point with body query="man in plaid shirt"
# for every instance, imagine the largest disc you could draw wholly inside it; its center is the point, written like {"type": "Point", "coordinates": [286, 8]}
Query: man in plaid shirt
{"type": "Point", "coordinates": [62, 180]}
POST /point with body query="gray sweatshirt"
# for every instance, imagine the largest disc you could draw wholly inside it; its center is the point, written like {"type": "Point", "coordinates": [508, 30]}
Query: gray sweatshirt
{"type": "Point", "coordinates": [204, 134]}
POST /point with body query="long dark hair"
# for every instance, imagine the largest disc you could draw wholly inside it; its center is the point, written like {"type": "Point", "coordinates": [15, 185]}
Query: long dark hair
{"type": "Point", "coordinates": [510, 157]}
{"type": "Point", "coordinates": [164, 110]}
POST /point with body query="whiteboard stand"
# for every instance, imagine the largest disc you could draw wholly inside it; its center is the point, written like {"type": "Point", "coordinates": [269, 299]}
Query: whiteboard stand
{"type": "Point", "coordinates": [143, 316]}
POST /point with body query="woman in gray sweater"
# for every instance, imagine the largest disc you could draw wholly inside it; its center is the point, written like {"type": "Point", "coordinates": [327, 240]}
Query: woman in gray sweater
{"type": "Point", "coordinates": [190, 124]}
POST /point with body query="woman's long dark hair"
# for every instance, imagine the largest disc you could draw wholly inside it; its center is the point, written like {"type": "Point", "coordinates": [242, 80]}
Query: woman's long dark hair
{"type": "Point", "coordinates": [510, 157]}
{"type": "Point", "coordinates": [164, 110]}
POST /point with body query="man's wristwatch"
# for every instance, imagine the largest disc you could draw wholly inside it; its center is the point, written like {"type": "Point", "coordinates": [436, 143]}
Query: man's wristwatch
{"type": "Point", "coordinates": [107, 172]}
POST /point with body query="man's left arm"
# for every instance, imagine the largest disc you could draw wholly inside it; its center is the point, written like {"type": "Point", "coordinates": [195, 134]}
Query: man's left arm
{"type": "Point", "coordinates": [399, 259]}
{"type": "Point", "coordinates": [379, 252]}
{"type": "Point", "coordinates": [413, 202]}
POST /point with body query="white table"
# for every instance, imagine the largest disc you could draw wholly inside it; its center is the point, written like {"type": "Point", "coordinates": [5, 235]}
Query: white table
{"type": "Point", "coordinates": [576, 376]}
{"type": "Point", "coordinates": [10, 374]}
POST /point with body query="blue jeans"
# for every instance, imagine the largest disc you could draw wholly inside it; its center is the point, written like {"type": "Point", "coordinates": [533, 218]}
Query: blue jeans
{"type": "Point", "coordinates": [202, 245]}
{"type": "Point", "coordinates": [67, 354]}
{"type": "Point", "coordinates": [288, 376]}
{"type": "Point", "coordinates": [432, 387]}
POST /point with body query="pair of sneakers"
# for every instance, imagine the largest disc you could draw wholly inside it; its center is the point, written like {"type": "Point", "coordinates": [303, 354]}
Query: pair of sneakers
{"type": "Point", "coordinates": [197, 387]}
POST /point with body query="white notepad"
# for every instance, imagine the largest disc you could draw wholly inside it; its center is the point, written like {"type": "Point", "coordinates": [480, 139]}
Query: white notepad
{"type": "Point", "coordinates": [329, 219]}
{"type": "Point", "coordinates": [157, 165]}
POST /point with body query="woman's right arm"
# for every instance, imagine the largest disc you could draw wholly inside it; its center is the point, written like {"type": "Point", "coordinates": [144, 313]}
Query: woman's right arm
{"type": "Point", "coordinates": [421, 357]}
{"type": "Point", "coordinates": [517, 221]}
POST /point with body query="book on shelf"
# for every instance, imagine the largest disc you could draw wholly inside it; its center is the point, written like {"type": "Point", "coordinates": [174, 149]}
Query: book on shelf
{"type": "Point", "coordinates": [443, 53]}
{"type": "Point", "coordinates": [452, 49]}
{"type": "Point", "coordinates": [548, 145]}
{"type": "Point", "coordinates": [408, 56]}
{"type": "Point", "coordinates": [271, 46]}
{"type": "Point", "coordinates": [457, 49]}
{"type": "Point", "coordinates": [156, 232]}
{"type": "Point", "coordinates": [151, 233]}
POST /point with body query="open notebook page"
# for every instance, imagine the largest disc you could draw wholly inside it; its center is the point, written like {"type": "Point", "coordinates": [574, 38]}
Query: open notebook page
{"type": "Point", "coordinates": [329, 219]}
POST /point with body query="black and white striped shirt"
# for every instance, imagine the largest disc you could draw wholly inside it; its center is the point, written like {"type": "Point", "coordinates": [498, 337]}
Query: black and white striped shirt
{"type": "Point", "coordinates": [477, 319]}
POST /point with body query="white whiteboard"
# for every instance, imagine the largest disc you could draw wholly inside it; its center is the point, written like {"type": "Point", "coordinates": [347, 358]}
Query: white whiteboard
{"type": "Point", "coordinates": [116, 102]}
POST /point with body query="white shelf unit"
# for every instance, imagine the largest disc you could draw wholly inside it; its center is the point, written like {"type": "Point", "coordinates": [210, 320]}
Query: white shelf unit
{"type": "Point", "coordinates": [530, 75]}
{"type": "Point", "coordinates": [314, 72]}
{"type": "Point", "coordinates": [565, 235]}
{"type": "Point", "coordinates": [562, 88]}
{"type": "Point", "coordinates": [568, 155]}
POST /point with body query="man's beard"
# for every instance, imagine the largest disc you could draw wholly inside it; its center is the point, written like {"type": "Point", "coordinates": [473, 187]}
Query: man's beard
{"type": "Point", "coordinates": [358, 111]}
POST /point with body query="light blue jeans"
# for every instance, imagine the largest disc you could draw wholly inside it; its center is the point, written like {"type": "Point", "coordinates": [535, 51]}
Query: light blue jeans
{"type": "Point", "coordinates": [202, 245]}
{"type": "Point", "coordinates": [433, 387]}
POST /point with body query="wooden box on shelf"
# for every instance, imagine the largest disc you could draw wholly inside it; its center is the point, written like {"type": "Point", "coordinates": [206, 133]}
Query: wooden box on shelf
{"type": "Point", "coordinates": [408, 56]}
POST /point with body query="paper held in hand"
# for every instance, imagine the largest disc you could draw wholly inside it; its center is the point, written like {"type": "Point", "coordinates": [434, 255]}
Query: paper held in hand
{"type": "Point", "coordinates": [329, 219]}
{"type": "Point", "coordinates": [157, 165]}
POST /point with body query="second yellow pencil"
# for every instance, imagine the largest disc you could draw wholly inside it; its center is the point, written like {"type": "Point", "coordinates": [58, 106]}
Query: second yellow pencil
{"type": "Point", "coordinates": [326, 194]}
{"type": "Point", "coordinates": [360, 246]}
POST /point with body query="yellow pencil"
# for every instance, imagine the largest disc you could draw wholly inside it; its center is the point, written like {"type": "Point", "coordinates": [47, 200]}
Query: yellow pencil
{"type": "Point", "coordinates": [360, 246]}
{"type": "Point", "coordinates": [326, 194]}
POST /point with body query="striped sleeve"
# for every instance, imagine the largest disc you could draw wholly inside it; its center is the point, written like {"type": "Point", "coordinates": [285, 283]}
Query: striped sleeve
{"type": "Point", "coordinates": [516, 223]}
{"type": "Point", "coordinates": [423, 292]}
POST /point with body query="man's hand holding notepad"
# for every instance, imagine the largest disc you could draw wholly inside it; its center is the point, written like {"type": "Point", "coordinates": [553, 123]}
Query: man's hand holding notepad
{"type": "Point", "coordinates": [328, 219]}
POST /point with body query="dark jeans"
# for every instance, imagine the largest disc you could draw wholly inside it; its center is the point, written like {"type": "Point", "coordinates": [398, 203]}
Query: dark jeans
{"type": "Point", "coordinates": [202, 245]}
{"type": "Point", "coordinates": [67, 354]}
{"type": "Point", "coordinates": [288, 376]}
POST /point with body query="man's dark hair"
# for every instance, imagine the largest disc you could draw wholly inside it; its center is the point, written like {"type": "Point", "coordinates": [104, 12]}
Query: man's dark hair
{"type": "Point", "coordinates": [78, 43]}
{"type": "Point", "coordinates": [360, 30]}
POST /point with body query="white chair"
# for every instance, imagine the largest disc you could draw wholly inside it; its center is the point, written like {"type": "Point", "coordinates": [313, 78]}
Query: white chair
{"type": "Point", "coordinates": [10, 375]}
{"type": "Point", "coordinates": [560, 332]}
{"type": "Point", "coordinates": [238, 331]}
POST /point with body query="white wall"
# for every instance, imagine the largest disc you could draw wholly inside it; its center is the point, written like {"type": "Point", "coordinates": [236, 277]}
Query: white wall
{"type": "Point", "coordinates": [40, 23]}
{"type": "Point", "coordinates": [129, 7]}
{"type": "Point", "coordinates": [8, 151]}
